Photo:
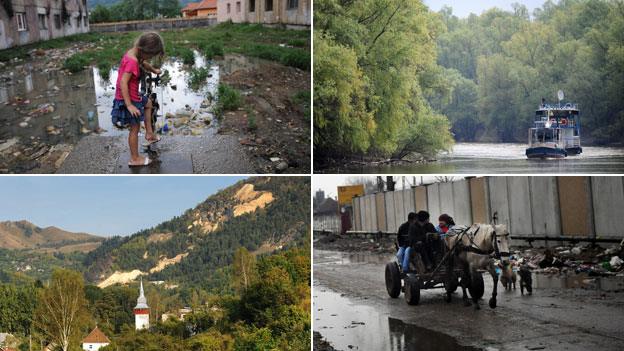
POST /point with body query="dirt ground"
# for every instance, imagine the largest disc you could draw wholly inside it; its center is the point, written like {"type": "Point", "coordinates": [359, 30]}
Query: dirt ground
{"type": "Point", "coordinates": [280, 141]}
{"type": "Point", "coordinates": [352, 310]}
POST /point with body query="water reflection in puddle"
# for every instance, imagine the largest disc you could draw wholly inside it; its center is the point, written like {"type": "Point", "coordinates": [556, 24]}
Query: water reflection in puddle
{"type": "Point", "coordinates": [82, 101]}
{"type": "Point", "coordinates": [336, 257]}
{"type": "Point", "coordinates": [348, 325]}
{"type": "Point", "coordinates": [172, 97]}
{"type": "Point", "coordinates": [576, 281]}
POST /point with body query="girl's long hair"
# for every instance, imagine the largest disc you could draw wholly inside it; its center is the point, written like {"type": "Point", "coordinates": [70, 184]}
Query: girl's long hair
{"type": "Point", "coordinates": [150, 43]}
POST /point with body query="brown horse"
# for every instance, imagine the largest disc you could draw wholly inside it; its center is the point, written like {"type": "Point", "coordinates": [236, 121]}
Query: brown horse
{"type": "Point", "coordinates": [477, 247]}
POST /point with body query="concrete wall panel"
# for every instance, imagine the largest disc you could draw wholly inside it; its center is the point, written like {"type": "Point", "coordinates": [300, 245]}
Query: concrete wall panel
{"type": "Point", "coordinates": [519, 206]}
{"type": "Point", "coordinates": [575, 206]}
{"type": "Point", "coordinates": [357, 217]}
{"type": "Point", "coordinates": [608, 196]}
{"type": "Point", "coordinates": [433, 199]}
{"type": "Point", "coordinates": [390, 211]}
{"type": "Point", "coordinates": [545, 206]}
{"type": "Point", "coordinates": [372, 211]}
{"type": "Point", "coordinates": [499, 201]}
{"type": "Point", "coordinates": [479, 200]}
{"type": "Point", "coordinates": [363, 215]}
{"type": "Point", "coordinates": [462, 212]}
{"type": "Point", "coordinates": [446, 201]}
{"type": "Point", "coordinates": [380, 208]}
{"type": "Point", "coordinates": [420, 198]}
{"type": "Point", "coordinates": [408, 202]}
{"type": "Point", "coordinates": [399, 214]}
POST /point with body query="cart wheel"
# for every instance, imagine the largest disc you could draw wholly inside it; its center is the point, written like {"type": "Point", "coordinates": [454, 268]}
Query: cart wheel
{"type": "Point", "coordinates": [412, 290]}
{"type": "Point", "coordinates": [393, 280]}
{"type": "Point", "coordinates": [476, 287]}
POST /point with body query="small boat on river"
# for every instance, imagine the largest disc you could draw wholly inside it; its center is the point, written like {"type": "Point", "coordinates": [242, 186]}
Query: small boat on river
{"type": "Point", "coordinates": [556, 131]}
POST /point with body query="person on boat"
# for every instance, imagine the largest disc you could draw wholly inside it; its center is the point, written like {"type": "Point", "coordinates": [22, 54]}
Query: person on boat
{"type": "Point", "coordinates": [419, 241]}
{"type": "Point", "coordinates": [403, 239]}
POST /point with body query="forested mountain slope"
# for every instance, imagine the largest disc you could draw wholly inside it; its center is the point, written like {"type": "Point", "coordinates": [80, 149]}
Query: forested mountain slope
{"type": "Point", "coordinates": [262, 214]}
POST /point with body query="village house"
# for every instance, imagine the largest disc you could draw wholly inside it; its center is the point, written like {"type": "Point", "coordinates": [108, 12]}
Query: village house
{"type": "Point", "coordinates": [28, 21]}
{"type": "Point", "coordinates": [288, 12]}
{"type": "Point", "coordinates": [95, 340]}
{"type": "Point", "coordinates": [205, 8]}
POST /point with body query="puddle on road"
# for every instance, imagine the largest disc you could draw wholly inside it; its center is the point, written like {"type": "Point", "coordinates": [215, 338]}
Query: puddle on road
{"type": "Point", "coordinates": [351, 326]}
{"type": "Point", "coordinates": [337, 257]}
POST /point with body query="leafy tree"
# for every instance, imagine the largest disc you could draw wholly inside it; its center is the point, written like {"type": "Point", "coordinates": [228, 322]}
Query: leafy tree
{"type": "Point", "coordinates": [61, 314]}
{"type": "Point", "coordinates": [243, 267]}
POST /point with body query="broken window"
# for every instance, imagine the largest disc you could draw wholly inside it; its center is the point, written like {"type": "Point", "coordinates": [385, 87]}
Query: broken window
{"type": "Point", "coordinates": [43, 24]}
{"type": "Point", "coordinates": [252, 5]}
{"type": "Point", "coordinates": [292, 4]}
{"type": "Point", "coordinates": [228, 7]}
{"type": "Point", "coordinates": [57, 21]}
{"type": "Point", "coordinates": [268, 5]}
{"type": "Point", "coordinates": [21, 21]}
{"type": "Point", "coordinates": [238, 7]}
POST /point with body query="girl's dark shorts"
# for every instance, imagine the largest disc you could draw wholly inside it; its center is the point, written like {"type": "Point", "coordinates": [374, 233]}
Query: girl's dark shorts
{"type": "Point", "coordinates": [122, 118]}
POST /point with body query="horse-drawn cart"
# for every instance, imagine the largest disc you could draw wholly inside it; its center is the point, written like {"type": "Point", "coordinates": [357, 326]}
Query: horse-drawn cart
{"type": "Point", "coordinates": [445, 273]}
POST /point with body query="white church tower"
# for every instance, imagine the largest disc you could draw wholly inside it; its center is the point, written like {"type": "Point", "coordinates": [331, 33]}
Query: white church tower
{"type": "Point", "coordinates": [141, 311]}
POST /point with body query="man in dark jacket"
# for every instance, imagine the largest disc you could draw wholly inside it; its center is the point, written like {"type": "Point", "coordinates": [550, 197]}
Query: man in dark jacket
{"type": "Point", "coordinates": [418, 237]}
{"type": "Point", "coordinates": [403, 239]}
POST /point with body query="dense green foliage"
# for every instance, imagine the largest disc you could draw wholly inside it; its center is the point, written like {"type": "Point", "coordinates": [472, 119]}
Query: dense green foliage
{"type": "Point", "coordinates": [391, 77]}
{"type": "Point", "coordinates": [499, 66]}
{"type": "Point", "coordinates": [17, 303]}
{"type": "Point", "coordinates": [374, 61]}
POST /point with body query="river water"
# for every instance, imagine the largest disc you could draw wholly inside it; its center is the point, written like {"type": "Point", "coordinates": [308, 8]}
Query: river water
{"type": "Point", "coordinates": [508, 158]}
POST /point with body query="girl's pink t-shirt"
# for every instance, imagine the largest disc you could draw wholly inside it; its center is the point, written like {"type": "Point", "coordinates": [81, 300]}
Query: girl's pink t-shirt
{"type": "Point", "coordinates": [132, 66]}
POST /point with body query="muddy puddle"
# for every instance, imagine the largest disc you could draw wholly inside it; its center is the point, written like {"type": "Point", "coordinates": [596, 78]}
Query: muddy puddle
{"type": "Point", "coordinates": [347, 325]}
{"type": "Point", "coordinates": [42, 110]}
{"type": "Point", "coordinates": [337, 257]}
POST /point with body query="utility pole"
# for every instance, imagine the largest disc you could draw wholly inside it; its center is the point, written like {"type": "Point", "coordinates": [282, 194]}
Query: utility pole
{"type": "Point", "coordinates": [389, 183]}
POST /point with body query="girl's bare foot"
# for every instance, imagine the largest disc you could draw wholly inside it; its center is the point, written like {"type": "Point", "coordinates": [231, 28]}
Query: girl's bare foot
{"type": "Point", "coordinates": [152, 138]}
{"type": "Point", "coordinates": [139, 162]}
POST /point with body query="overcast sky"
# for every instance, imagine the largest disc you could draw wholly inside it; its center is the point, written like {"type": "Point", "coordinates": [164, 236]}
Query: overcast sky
{"type": "Point", "coordinates": [329, 183]}
{"type": "Point", "coordinates": [462, 8]}
{"type": "Point", "coordinates": [109, 205]}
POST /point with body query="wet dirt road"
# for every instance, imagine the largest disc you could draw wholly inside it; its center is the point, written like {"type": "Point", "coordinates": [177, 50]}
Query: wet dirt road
{"type": "Point", "coordinates": [353, 311]}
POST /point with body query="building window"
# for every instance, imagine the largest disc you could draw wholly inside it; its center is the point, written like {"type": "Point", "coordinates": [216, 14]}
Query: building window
{"type": "Point", "coordinates": [238, 6]}
{"type": "Point", "coordinates": [57, 21]}
{"type": "Point", "coordinates": [292, 4]}
{"type": "Point", "coordinates": [252, 5]}
{"type": "Point", "coordinates": [268, 5]}
{"type": "Point", "coordinates": [77, 22]}
{"type": "Point", "coordinates": [84, 21]}
{"type": "Point", "coordinates": [21, 21]}
{"type": "Point", "coordinates": [228, 7]}
{"type": "Point", "coordinates": [43, 24]}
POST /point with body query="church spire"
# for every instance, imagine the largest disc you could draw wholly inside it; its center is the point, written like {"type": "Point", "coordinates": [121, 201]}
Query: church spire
{"type": "Point", "coordinates": [141, 301]}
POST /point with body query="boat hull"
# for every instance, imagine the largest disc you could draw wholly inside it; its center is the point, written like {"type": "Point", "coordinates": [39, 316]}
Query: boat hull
{"type": "Point", "coordinates": [545, 152]}
{"type": "Point", "coordinates": [572, 151]}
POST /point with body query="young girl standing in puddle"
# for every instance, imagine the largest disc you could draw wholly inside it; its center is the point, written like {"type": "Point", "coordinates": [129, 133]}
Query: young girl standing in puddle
{"type": "Point", "coordinates": [129, 107]}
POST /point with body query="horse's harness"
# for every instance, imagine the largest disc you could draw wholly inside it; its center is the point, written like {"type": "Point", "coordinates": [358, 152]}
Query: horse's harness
{"type": "Point", "coordinates": [473, 247]}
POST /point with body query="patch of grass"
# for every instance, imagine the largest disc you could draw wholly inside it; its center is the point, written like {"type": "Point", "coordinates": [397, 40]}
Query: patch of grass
{"type": "Point", "coordinates": [302, 98]}
{"type": "Point", "coordinates": [251, 121]}
{"type": "Point", "coordinates": [187, 56]}
{"type": "Point", "coordinates": [298, 42]}
{"type": "Point", "coordinates": [197, 77]}
{"type": "Point", "coordinates": [213, 49]}
{"type": "Point", "coordinates": [76, 62]}
{"type": "Point", "coordinates": [104, 67]}
{"type": "Point", "coordinates": [228, 98]}
{"type": "Point", "coordinates": [296, 58]}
